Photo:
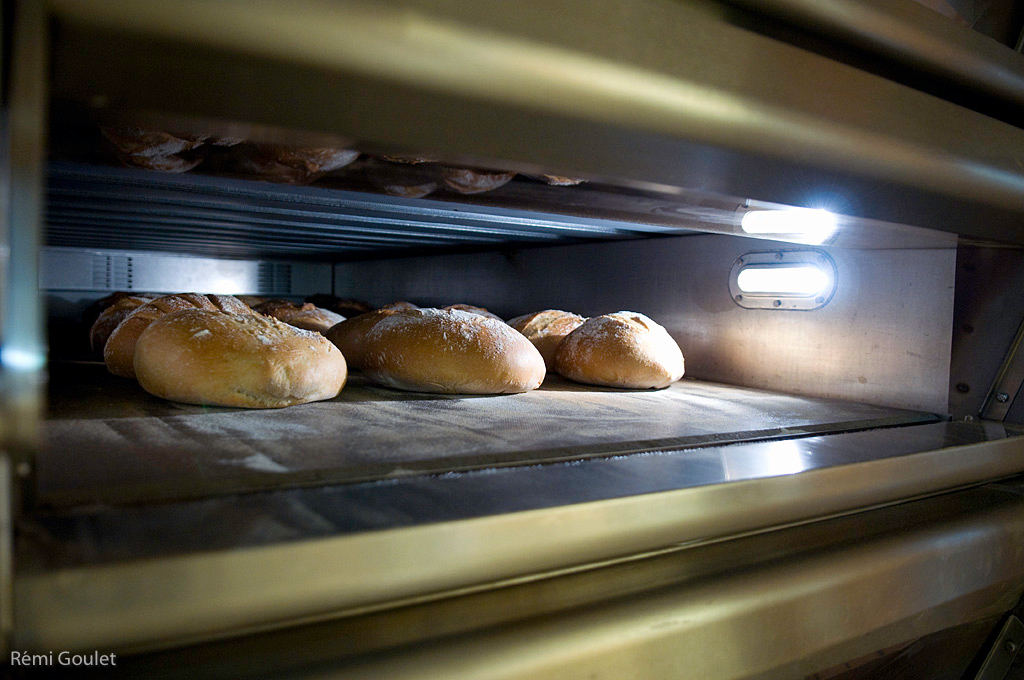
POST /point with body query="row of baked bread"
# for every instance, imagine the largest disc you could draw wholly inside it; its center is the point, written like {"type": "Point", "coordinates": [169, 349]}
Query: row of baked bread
{"type": "Point", "coordinates": [215, 349]}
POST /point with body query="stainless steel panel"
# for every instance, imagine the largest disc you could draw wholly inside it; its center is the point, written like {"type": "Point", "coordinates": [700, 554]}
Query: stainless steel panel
{"type": "Point", "coordinates": [560, 602]}
{"type": "Point", "coordinates": [884, 338]}
{"type": "Point", "coordinates": [100, 207]}
{"type": "Point", "coordinates": [103, 533]}
{"type": "Point", "coordinates": [661, 94]}
{"type": "Point", "coordinates": [107, 441]}
{"type": "Point", "coordinates": [149, 602]}
{"type": "Point", "coordinates": [916, 38]}
{"type": "Point", "coordinates": [75, 269]}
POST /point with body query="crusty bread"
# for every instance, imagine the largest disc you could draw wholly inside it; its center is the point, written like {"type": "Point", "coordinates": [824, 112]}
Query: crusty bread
{"type": "Point", "coordinates": [301, 315]}
{"type": "Point", "coordinates": [350, 335]}
{"type": "Point", "coordinates": [119, 352]}
{"type": "Point", "coordinates": [546, 330]}
{"type": "Point", "coordinates": [466, 181]}
{"type": "Point", "coordinates": [111, 317]}
{"type": "Point", "coordinates": [624, 349]}
{"type": "Point", "coordinates": [451, 352]}
{"type": "Point", "coordinates": [474, 310]}
{"type": "Point", "coordinates": [198, 356]}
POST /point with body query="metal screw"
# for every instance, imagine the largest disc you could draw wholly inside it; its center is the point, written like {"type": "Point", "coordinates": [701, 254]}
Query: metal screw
{"type": "Point", "coordinates": [778, 256]}
{"type": "Point", "coordinates": [777, 303]}
{"type": "Point", "coordinates": [963, 387]}
{"type": "Point", "coordinates": [1011, 646]}
{"type": "Point", "coordinates": [819, 300]}
{"type": "Point", "coordinates": [1002, 397]}
{"type": "Point", "coordinates": [738, 298]}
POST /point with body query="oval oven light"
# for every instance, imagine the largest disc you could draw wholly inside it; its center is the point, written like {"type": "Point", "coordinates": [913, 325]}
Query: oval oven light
{"type": "Point", "coordinates": [783, 279]}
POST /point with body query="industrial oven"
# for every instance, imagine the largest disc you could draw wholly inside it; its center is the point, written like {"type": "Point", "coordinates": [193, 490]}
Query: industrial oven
{"type": "Point", "coordinates": [822, 201]}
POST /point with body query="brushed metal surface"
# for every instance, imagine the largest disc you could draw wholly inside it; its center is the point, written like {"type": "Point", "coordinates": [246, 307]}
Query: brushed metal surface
{"type": "Point", "coordinates": [107, 441]}
{"type": "Point", "coordinates": [912, 35]}
{"type": "Point", "coordinates": [151, 602]}
{"type": "Point", "coordinates": [560, 602]}
{"type": "Point", "coordinates": [884, 338]}
{"type": "Point", "coordinates": [660, 93]}
{"type": "Point", "coordinates": [102, 533]}
{"type": "Point", "coordinates": [73, 270]}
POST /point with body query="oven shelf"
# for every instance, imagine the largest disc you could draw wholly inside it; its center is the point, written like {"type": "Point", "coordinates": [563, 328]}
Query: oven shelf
{"type": "Point", "coordinates": [108, 441]}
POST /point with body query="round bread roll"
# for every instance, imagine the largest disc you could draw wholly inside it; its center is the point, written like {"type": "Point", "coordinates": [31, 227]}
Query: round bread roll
{"type": "Point", "coordinates": [466, 181]}
{"type": "Point", "coordinates": [546, 330]}
{"type": "Point", "coordinates": [346, 307]}
{"type": "Point", "coordinates": [474, 310]}
{"type": "Point", "coordinates": [624, 349]}
{"type": "Point", "coordinates": [450, 352]}
{"type": "Point", "coordinates": [155, 149]}
{"type": "Point", "coordinates": [198, 356]}
{"type": "Point", "coordinates": [350, 336]}
{"type": "Point", "coordinates": [119, 352]}
{"type": "Point", "coordinates": [305, 315]}
{"type": "Point", "coordinates": [111, 317]}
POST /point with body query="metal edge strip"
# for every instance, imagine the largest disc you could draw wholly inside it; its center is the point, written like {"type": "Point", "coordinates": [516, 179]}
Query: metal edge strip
{"type": "Point", "coordinates": [154, 603]}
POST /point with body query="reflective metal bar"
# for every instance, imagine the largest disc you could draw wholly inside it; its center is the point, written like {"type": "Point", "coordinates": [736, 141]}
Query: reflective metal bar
{"type": "Point", "coordinates": [666, 94]}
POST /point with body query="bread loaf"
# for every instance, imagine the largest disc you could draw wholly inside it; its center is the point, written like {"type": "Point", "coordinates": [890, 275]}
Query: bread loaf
{"type": "Point", "coordinates": [546, 330]}
{"type": "Point", "coordinates": [111, 317]}
{"type": "Point", "coordinates": [466, 181]}
{"type": "Point", "coordinates": [451, 352]}
{"type": "Point", "coordinates": [624, 349]}
{"type": "Point", "coordinates": [474, 310]}
{"type": "Point", "coordinates": [198, 356]}
{"type": "Point", "coordinates": [306, 316]}
{"type": "Point", "coordinates": [350, 336]}
{"type": "Point", "coordinates": [119, 352]}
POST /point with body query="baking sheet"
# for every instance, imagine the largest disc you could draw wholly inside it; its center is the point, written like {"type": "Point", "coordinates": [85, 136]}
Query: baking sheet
{"type": "Point", "coordinates": [107, 441]}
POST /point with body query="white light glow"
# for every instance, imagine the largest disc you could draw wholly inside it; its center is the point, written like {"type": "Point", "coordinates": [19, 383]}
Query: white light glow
{"type": "Point", "coordinates": [781, 280]}
{"type": "Point", "coordinates": [803, 224]}
{"type": "Point", "coordinates": [226, 286]}
{"type": "Point", "coordinates": [16, 359]}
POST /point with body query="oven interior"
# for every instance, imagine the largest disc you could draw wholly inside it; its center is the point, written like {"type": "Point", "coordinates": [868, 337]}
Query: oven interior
{"type": "Point", "coordinates": [825, 444]}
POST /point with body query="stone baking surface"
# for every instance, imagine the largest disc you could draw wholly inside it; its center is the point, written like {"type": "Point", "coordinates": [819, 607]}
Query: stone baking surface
{"type": "Point", "coordinates": [108, 441]}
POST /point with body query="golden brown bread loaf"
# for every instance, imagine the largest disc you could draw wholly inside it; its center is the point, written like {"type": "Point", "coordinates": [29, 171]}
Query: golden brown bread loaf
{"type": "Point", "coordinates": [624, 349]}
{"type": "Point", "coordinates": [152, 149]}
{"type": "Point", "coordinates": [119, 352]}
{"type": "Point", "coordinates": [450, 352]}
{"type": "Point", "coordinates": [474, 310]}
{"type": "Point", "coordinates": [350, 336]}
{"type": "Point", "coordinates": [111, 317]}
{"type": "Point", "coordinates": [302, 315]}
{"type": "Point", "coordinates": [546, 330]}
{"type": "Point", "coordinates": [199, 356]}
{"type": "Point", "coordinates": [466, 181]}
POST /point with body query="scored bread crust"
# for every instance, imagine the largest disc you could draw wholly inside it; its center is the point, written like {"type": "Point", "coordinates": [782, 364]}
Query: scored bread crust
{"type": "Point", "coordinates": [350, 335]}
{"type": "Point", "coordinates": [482, 311]}
{"type": "Point", "coordinates": [301, 315]}
{"type": "Point", "coordinates": [624, 349]}
{"type": "Point", "coordinates": [111, 317]}
{"type": "Point", "coordinates": [450, 352]}
{"type": "Point", "coordinates": [546, 330]}
{"type": "Point", "coordinates": [119, 352]}
{"type": "Point", "coordinates": [199, 356]}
